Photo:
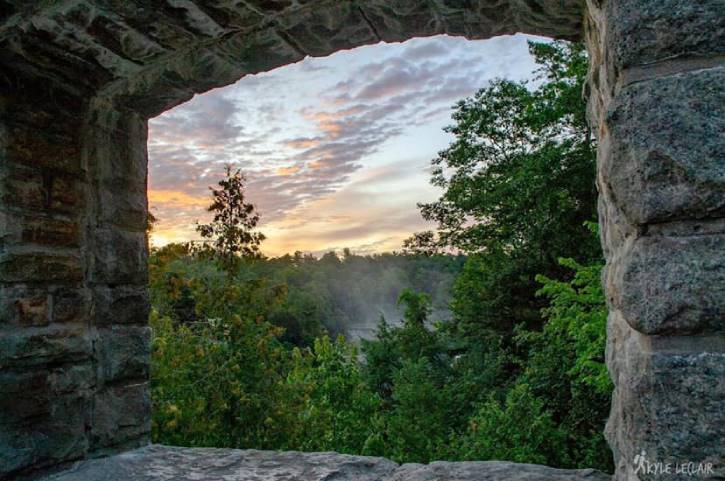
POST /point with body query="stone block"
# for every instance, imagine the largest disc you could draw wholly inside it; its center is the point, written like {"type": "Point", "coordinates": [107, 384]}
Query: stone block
{"type": "Point", "coordinates": [667, 285]}
{"type": "Point", "coordinates": [42, 190]}
{"type": "Point", "coordinates": [563, 19]}
{"type": "Point", "coordinates": [43, 415]}
{"type": "Point", "coordinates": [642, 32]}
{"type": "Point", "coordinates": [209, 68]}
{"type": "Point", "coordinates": [233, 15]}
{"type": "Point", "coordinates": [158, 95]}
{"type": "Point", "coordinates": [665, 157]}
{"type": "Point", "coordinates": [156, 28]}
{"type": "Point", "coordinates": [24, 306]}
{"type": "Point", "coordinates": [71, 305]}
{"type": "Point", "coordinates": [320, 32]}
{"type": "Point", "coordinates": [50, 232]}
{"type": "Point", "coordinates": [121, 414]}
{"type": "Point", "coordinates": [40, 267]}
{"type": "Point", "coordinates": [123, 352]}
{"type": "Point", "coordinates": [8, 229]}
{"type": "Point", "coordinates": [54, 434]}
{"type": "Point", "coordinates": [275, 7]}
{"type": "Point", "coordinates": [124, 208]}
{"type": "Point", "coordinates": [120, 257]}
{"type": "Point", "coordinates": [118, 150]}
{"type": "Point", "coordinates": [491, 471]}
{"type": "Point", "coordinates": [23, 395]}
{"type": "Point", "coordinates": [38, 346]}
{"type": "Point", "coordinates": [32, 311]}
{"type": "Point", "coordinates": [77, 378]}
{"type": "Point", "coordinates": [121, 305]}
{"type": "Point", "coordinates": [41, 446]}
{"type": "Point", "coordinates": [43, 104]}
{"type": "Point", "coordinates": [117, 36]}
{"type": "Point", "coordinates": [258, 52]}
{"type": "Point", "coordinates": [161, 463]}
{"type": "Point", "coordinates": [399, 20]}
{"type": "Point", "coordinates": [668, 398]}
{"type": "Point", "coordinates": [49, 150]}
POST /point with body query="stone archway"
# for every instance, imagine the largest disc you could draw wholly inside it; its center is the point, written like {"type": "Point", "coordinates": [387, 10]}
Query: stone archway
{"type": "Point", "coordinates": [80, 78]}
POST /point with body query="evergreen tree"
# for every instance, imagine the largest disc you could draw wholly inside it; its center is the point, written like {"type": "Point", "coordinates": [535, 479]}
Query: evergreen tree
{"type": "Point", "coordinates": [232, 230]}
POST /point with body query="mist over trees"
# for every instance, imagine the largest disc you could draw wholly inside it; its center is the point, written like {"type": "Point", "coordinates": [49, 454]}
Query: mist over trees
{"type": "Point", "coordinates": [342, 293]}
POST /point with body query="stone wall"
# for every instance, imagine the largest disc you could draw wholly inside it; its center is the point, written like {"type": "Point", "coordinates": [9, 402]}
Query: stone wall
{"type": "Point", "coordinates": [79, 79]}
{"type": "Point", "coordinates": [73, 303]}
{"type": "Point", "coordinates": [657, 83]}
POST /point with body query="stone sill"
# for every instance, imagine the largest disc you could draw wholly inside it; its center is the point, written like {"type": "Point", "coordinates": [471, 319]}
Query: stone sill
{"type": "Point", "coordinates": [167, 463]}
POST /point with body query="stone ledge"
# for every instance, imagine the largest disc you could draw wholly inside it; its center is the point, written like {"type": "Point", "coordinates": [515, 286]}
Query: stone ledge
{"type": "Point", "coordinates": [166, 463]}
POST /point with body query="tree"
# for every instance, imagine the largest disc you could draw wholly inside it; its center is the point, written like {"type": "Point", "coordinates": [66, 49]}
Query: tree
{"type": "Point", "coordinates": [518, 186]}
{"type": "Point", "coordinates": [565, 365]}
{"type": "Point", "coordinates": [424, 243]}
{"type": "Point", "coordinates": [519, 429]}
{"type": "Point", "coordinates": [232, 228]}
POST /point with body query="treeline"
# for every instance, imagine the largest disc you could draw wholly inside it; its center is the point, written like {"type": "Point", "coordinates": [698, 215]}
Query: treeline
{"type": "Point", "coordinates": [338, 293]}
{"type": "Point", "coordinates": [516, 373]}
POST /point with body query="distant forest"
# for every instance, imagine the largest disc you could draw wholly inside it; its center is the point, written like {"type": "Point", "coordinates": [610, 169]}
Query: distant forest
{"type": "Point", "coordinates": [340, 292]}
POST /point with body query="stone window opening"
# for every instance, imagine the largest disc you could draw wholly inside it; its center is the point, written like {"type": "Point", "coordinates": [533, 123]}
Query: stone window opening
{"type": "Point", "coordinates": [80, 79]}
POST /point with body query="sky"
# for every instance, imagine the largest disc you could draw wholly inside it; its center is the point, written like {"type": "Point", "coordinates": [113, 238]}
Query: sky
{"type": "Point", "coordinates": [336, 150]}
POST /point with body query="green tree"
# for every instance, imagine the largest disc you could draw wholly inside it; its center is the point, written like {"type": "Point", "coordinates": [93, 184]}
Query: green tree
{"type": "Point", "coordinates": [418, 424]}
{"type": "Point", "coordinates": [339, 410]}
{"type": "Point", "coordinates": [519, 429]}
{"type": "Point", "coordinates": [232, 229]}
{"type": "Point", "coordinates": [565, 365]}
{"type": "Point", "coordinates": [218, 383]}
{"type": "Point", "coordinates": [393, 346]}
{"type": "Point", "coordinates": [518, 186]}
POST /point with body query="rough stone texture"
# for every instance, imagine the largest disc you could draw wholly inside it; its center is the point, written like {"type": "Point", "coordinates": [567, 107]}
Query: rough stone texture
{"type": "Point", "coordinates": [80, 78]}
{"type": "Point", "coordinates": [658, 177]}
{"type": "Point", "coordinates": [656, 83]}
{"type": "Point", "coordinates": [164, 463]}
{"type": "Point", "coordinates": [491, 471]}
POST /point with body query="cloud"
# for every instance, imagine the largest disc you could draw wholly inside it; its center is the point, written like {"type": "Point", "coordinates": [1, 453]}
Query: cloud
{"type": "Point", "coordinates": [176, 199]}
{"type": "Point", "coordinates": [208, 120]}
{"type": "Point", "coordinates": [303, 134]}
{"type": "Point", "coordinates": [428, 49]}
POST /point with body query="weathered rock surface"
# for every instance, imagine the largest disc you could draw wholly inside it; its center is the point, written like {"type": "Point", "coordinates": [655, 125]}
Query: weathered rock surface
{"type": "Point", "coordinates": [491, 471]}
{"type": "Point", "coordinates": [165, 463]}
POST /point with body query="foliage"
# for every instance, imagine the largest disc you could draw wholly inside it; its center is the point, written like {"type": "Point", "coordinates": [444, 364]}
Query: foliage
{"type": "Point", "coordinates": [578, 312]}
{"type": "Point", "coordinates": [522, 162]}
{"type": "Point", "coordinates": [519, 429]}
{"type": "Point", "coordinates": [565, 364]}
{"type": "Point", "coordinates": [338, 408]}
{"type": "Point", "coordinates": [218, 383]}
{"type": "Point", "coordinates": [330, 293]}
{"type": "Point", "coordinates": [518, 186]}
{"type": "Point", "coordinates": [248, 355]}
{"type": "Point", "coordinates": [228, 379]}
